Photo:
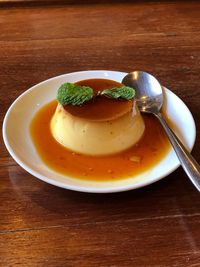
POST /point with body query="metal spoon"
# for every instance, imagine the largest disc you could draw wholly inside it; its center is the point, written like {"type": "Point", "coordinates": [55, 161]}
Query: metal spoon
{"type": "Point", "coordinates": [149, 98]}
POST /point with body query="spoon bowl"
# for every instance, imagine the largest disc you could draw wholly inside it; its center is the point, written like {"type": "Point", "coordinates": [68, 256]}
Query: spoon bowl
{"type": "Point", "coordinates": [148, 91]}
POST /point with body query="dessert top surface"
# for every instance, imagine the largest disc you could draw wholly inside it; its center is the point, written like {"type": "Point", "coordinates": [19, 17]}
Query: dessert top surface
{"type": "Point", "coordinates": [100, 108]}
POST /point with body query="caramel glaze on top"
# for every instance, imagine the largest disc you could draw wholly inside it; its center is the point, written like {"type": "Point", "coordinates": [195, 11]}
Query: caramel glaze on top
{"type": "Point", "coordinates": [100, 108]}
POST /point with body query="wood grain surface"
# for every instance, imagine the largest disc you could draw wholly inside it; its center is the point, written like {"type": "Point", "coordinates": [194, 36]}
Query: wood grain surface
{"type": "Point", "coordinates": [41, 225]}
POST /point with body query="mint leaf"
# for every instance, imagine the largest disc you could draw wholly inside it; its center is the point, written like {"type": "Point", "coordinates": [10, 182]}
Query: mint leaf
{"type": "Point", "coordinates": [73, 94]}
{"type": "Point", "coordinates": [123, 92]}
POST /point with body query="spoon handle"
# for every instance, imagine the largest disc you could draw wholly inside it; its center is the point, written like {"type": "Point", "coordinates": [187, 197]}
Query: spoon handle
{"type": "Point", "coordinates": [189, 164]}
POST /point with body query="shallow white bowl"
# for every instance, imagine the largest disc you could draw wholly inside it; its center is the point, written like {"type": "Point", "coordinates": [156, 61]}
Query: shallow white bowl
{"type": "Point", "coordinates": [18, 141]}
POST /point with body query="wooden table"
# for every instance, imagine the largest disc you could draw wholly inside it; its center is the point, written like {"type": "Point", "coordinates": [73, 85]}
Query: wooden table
{"type": "Point", "coordinates": [42, 225]}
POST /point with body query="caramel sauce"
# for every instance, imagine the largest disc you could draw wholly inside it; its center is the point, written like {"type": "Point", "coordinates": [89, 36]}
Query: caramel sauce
{"type": "Point", "coordinates": [153, 146]}
{"type": "Point", "coordinates": [100, 108]}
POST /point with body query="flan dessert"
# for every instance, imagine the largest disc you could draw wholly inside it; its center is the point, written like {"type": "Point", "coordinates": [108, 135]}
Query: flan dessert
{"type": "Point", "coordinates": [102, 126]}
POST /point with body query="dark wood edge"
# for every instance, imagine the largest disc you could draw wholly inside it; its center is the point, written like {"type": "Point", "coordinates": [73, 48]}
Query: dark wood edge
{"type": "Point", "coordinates": [35, 3]}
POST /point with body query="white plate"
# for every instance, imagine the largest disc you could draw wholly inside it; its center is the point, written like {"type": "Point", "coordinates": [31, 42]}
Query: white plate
{"type": "Point", "coordinates": [19, 144]}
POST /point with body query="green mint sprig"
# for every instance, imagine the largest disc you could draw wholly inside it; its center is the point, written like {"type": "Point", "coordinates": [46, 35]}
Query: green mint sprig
{"type": "Point", "coordinates": [76, 95]}
{"type": "Point", "coordinates": [73, 94]}
{"type": "Point", "coordinates": [123, 92]}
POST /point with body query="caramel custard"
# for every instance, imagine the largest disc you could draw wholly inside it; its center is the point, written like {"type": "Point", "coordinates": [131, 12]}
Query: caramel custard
{"type": "Point", "coordinates": [99, 127]}
{"type": "Point", "coordinates": [145, 154]}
